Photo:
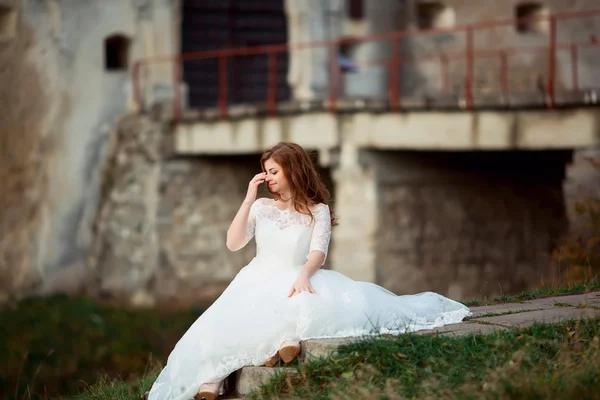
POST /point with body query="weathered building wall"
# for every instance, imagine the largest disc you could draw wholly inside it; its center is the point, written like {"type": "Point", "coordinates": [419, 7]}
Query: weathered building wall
{"type": "Point", "coordinates": [464, 223]}
{"type": "Point", "coordinates": [528, 70]}
{"type": "Point", "coordinates": [198, 199]}
{"type": "Point", "coordinates": [124, 255]}
{"type": "Point", "coordinates": [26, 149]}
{"type": "Point", "coordinates": [582, 183]}
{"type": "Point", "coordinates": [160, 231]}
{"type": "Point", "coordinates": [468, 224]}
{"type": "Point", "coordinates": [59, 103]}
{"type": "Point", "coordinates": [199, 196]}
{"type": "Point", "coordinates": [432, 157]}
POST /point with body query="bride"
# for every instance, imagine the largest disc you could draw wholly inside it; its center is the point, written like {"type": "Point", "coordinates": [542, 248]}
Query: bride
{"type": "Point", "coordinates": [282, 297]}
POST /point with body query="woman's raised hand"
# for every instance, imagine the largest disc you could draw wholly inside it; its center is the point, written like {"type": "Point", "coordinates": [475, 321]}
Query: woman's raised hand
{"type": "Point", "coordinates": [253, 186]}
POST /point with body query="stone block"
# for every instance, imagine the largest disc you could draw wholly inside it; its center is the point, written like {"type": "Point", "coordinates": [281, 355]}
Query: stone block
{"type": "Point", "coordinates": [249, 379]}
{"type": "Point", "coordinates": [320, 348]}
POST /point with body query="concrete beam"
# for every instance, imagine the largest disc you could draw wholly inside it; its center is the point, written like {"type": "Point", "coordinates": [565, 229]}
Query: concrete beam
{"type": "Point", "coordinates": [484, 130]}
{"type": "Point", "coordinates": [430, 130]}
{"type": "Point", "coordinates": [253, 135]}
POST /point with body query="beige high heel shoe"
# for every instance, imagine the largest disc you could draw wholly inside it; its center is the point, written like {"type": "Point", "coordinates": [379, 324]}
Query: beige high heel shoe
{"type": "Point", "coordinates": [271, 362]}
{"type": "Point", "coordinates": [210, 390]}
{"type": "Point", "coordinates": [287, 352]}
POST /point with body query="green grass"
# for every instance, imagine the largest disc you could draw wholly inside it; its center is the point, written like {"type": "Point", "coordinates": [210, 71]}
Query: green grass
{"type": "Point", "coordinates": [111, 389]}
{"type": "Point", "coordinates": [593, 284]}
{"type": "Point", "coordinates": [544, 361]}
{"type": "Point", "coordinates": [61, 344]}
{"type": "Point", "coordinates": [69, 345]}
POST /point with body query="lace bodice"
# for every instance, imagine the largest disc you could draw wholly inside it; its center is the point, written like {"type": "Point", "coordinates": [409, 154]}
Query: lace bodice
{"type": "Point", "coordinates": [287, 236]}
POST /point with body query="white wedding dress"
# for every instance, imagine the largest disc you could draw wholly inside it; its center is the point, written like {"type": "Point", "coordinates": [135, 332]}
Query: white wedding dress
{"type": "Point", "coordinates": [253, 316]}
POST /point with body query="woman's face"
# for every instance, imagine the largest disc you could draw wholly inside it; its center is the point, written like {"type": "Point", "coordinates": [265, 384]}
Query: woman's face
{"type": "Point", "coordinates": [275, 180]}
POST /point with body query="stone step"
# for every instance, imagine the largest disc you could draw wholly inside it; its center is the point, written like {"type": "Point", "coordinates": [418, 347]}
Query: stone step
{"type": "Point", "coordinates": [319, 348]}
{"type": "Point", "coordinates": [249, 379]}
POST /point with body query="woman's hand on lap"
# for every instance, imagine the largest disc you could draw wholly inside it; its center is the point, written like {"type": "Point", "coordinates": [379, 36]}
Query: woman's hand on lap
{"type": "Point", "coordinates": [301, 284]}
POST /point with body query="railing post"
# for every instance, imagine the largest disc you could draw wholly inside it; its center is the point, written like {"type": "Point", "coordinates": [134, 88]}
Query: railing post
{"type": "Point", "coordinates": [177, 61]}
{"type": "Point", "coordinates": [333, 76]}
{"type": "Point", "coordinates": [444, 72]}
{"type": "Point", "coordinates": [469, 69]}
{"type": "Point", "coordinates": [551, 62]}
{"type": "Point", "coordinates": [394, 89]}
{"type": "Point", "coordinates": [504, 75]}
{"type": "Point", "coordinates": [272, 88]}
{"type": "Point", "coordinates": [574, 67]}
{"type": "Point", "coordinates": [222, 101]}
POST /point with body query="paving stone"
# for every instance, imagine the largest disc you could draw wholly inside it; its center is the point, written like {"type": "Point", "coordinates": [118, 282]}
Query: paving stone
{"type": "Point", "coordinates": [557, 314]}
{"type": "Point", "coordinates": [506, 308]}
{"type": "Point", "coordinates": [592, 299]}
{"type": "Point", "coordinates": [249, 379]}
{"type": "Point", "coordinates": [462, 329]}
{"type": "Point", "coordinates": [572, 300]}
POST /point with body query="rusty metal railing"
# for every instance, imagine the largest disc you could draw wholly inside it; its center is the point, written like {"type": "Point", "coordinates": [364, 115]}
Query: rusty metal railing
{"type": "Point", "coordinates": [393, 63]}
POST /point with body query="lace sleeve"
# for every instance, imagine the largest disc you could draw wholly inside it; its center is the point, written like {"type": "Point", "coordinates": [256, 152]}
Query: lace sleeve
{"type": "Point", "coordinates": [321, 232]}
{"type": "Point", "coordinates": [251, 224]}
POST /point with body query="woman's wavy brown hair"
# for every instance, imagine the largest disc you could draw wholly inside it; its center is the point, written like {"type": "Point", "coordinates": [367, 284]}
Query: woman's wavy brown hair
{"type": "Point", "coordinates": [306, 186]}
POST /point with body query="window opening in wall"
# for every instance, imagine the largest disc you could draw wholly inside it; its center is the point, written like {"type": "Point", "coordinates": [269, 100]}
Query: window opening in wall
{"type": "Point", "coordinates": [356, 11]}
{"type": "Point", "coordinates": [435, 15]}
{"type": "Point", "coordinates": [116, 53]}
{"type": "Point", "coordinates": [8, 21]}
{"type": "Point", "coordinates": [535, 15]}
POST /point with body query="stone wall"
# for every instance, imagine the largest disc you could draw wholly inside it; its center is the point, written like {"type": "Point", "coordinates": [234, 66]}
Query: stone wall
{"type": "Point", "coordinates": [582, 183]}
{"type": "Point", "coordinates": [124, 254]}
{"type": "Point", "coordinates": [528, 69]}
{"type": "Point", "coordinates": [59, 102]}
{"type": "Point", "coordinates": [159, 234]}
{"type": "Point", "coordinates": [468, 224]}
{"type": "Point", "coordinates": [463, 224]}
{"type": "Point", "coordinates": [160, 231]}
{"type": "Point", "coordinates": [25, 155]}
{"type": "Point", "coordinates": [199, 198]}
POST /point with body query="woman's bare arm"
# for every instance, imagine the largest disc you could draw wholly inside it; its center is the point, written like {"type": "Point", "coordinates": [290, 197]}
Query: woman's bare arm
{"type": "Point", "coordinates": [238, 233]}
